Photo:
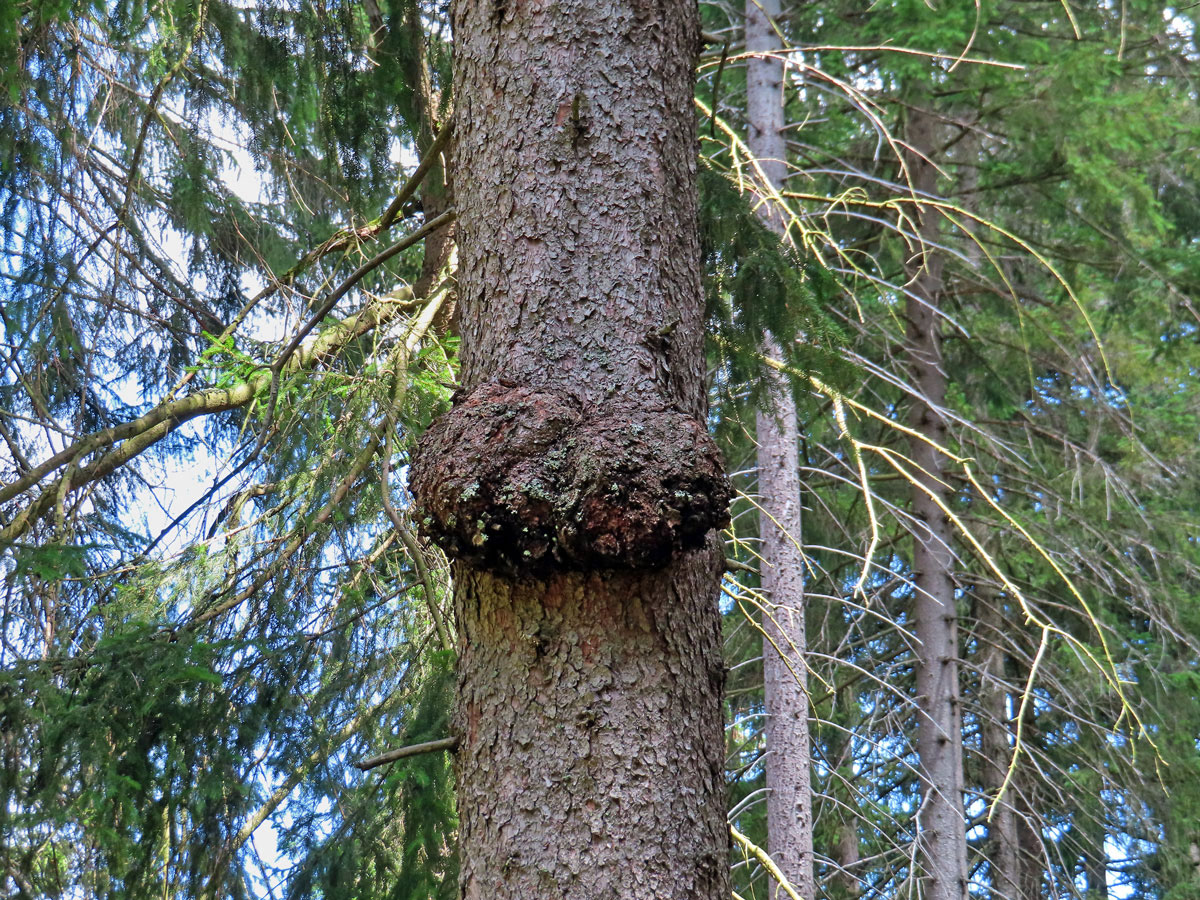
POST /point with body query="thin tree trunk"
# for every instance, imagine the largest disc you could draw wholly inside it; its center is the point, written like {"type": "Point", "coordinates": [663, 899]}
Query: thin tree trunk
{"type": "Point", "coordinates": [847, 853]}
{"type": "Point", "coordinates": [437, 190]}
{"type": "Point", "coordinates": [1095, 861]}
{"type": "Point", "coordinates": [1033, 855]}
{"type": "Point", "coordinates": [574, 483]}
{"type": "Point", "coordinates": [789, 787]}
{"type": "Point", "coordinates": [939, 737]}
{"type": "Point", "coordinates": [995, 748]}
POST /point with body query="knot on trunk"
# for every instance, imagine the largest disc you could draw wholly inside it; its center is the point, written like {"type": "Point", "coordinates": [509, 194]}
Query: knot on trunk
{"type": "Point", "coordinates": [518, 479]}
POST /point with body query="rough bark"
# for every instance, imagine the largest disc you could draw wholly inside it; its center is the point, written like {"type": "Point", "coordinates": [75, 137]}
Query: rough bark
{"type": "Point", "coordinates": [941, 823]}
{"type": "Point", "coordinates": [591, 742]}
{"type": "Point", "coordinates": [788, 779]}
{"type": "Point", "coordinates": [1033, 854]}
{"type": "Point", "coordinates": [590, 756]}
{"type": "Point", "coordinates": [1025, 799]}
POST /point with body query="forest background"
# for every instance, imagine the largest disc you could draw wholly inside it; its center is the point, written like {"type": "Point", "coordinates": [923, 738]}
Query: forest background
{"type": "Point", "coordinates": [970, 286]}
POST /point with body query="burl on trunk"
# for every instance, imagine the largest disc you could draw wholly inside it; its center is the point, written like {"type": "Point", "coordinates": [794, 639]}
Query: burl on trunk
{"type": "Point", "coordinates": [574, 483]}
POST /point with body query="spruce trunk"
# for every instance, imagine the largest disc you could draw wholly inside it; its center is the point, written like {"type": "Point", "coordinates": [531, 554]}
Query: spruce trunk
{"type": "Point", "coordinates": [789, 789]}
{"type": "Point", "coordinates": [574, 484]}
{"type": "Point", "coordinates": [996, 748]}
{"type": "Point", "coordinates": [940, 821]}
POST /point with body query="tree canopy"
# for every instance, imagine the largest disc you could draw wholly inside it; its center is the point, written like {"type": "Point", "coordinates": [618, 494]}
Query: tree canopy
{"type": "Point", "coordinates": [229, 295]}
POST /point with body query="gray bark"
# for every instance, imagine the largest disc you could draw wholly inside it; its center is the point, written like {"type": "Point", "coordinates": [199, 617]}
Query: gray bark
{"type": "Point", "coordinates": [589, 724]}
{"type": "Point", "coordinates": [788, 778]}
{"type": "Point", "coordinates": [1033, 853]}
{"type": "Point", "coordinates": [590, 756]}
{"type": "Point", "coordinates": [578, 230]}
{"type": "Point", "coordinates": [939, 736]}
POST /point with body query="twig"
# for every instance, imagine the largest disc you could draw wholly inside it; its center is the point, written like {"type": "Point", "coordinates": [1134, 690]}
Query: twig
{"type": "Point", "coordinates": [765, 861]}
{"type": "Point", "coordinates": [427, 160]}
{"type": "Point", "coordinates": [401, 752]}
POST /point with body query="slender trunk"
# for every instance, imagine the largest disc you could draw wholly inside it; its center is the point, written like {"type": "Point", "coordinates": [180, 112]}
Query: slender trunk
{"type": "Point", "coordinates": [847, 853]}
{"type": "Point", "coordinates": [574, 482]}
{"type": "Point", "coordinates": [996, 749]}
{"type": "Point", "coordinates": [1095, 862]}
{"type": "Point", "coordinates": [437, 190]}
{"type": "Point", "coordinates": [939, 737]}
{"type": "Point", "coordinates": [848, 858]}
{"type": "Point", "coordinates": [1033, 854]}
{"type": "Point", "coordinates": [789, 797]}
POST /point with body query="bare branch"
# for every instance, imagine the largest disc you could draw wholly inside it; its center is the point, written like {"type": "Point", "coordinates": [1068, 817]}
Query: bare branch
{"type": "Point", "coordinates": [401, 752]}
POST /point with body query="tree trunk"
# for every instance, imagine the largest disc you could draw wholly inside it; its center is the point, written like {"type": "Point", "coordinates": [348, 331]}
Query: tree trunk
{"type": "Point", "coordinates": [846, 852]}
{"type": "Point", "coordinates": [1033, 853]}
{"type": "Point", "coordinates": [939, 737]}
{"type": "Point", "coordinates": [789, 787]}
{"type": "Point", "coordinates": [1095, 860]}
{"type": "Point", "coordinates": [995, 748]}
{"type": "Point", "coordinates": [574, 483]}
{"type": "Point", "coordinates": [437, 190]}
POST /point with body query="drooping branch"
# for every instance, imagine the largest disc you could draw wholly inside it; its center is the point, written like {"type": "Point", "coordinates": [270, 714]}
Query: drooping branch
{"type": "Point", "coordinates": [133, 438]}
{"type": "Point", "coordinates": [357, 468]}
{"type": "Point", "coordinates": [350, 237]}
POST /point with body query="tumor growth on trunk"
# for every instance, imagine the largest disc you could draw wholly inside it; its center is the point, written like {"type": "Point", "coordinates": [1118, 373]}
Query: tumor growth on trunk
{"type": "Point", "coordinates": [574, 484]}
{"type": "Point", "coordinates": [528, 480]}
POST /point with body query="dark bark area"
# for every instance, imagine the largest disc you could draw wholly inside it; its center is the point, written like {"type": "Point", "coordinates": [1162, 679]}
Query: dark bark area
{"type": "Point", "coordinates": [1095, 861]}
{"type": "Point", "coordinates": [935, 619]}
{"type": "Point", "coordinates": [996, 748]}
{"type": "Point", "coordinates": [525, 480]}
{"type": "Point", "coordinates": [578, 228]}
{"type": "Point", "coordinates": [591, 742]}
{"type": "Point", "coordinates": [787, 766]}
{"type": "Point", "coordinates": [1033, 854]}
{"type": "Point", "coordinates": [846, 853]}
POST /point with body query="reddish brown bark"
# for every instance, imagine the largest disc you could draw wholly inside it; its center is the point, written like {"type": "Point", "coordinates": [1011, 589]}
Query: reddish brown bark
{"type": "Point", "coordinates": [591, 742]}
{"type": "Point", "coordinates": [996, 748]}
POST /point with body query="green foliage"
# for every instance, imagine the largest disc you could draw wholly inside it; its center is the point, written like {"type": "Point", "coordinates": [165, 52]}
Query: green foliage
{"type": "Point", "coordinates": [111, 770]}
{"type": "Point", "coordinates": [755, 284]}
{"type": "Point", "coordinates": [49, 562]}
{"type": "Point", "coordinates": [157, 688]}
{"type": "Point", "coordinates": [397, 833]}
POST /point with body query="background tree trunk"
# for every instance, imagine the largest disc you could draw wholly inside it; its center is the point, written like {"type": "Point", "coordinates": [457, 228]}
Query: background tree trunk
{"type": "Point", "coordinates": [1033, 854]}
{"type": "Point", "coordinates": [935, 620]}
{"type": "Point", "coordinates": [789, 786]}
{"type": "Point", "coordinates": [846, 852]}
{"type": "Point", "coordinates": [995, 748]}
{"type": "Point", "coordinates": [1095, 860]}
{"type": "Point", "coordinates": [574, 481]}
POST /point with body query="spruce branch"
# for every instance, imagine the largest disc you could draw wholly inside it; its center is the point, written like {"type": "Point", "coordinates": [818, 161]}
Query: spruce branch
{"type": "Point", "coordinates": [132, 438]}
{"type": "Point", "coordinates": [391, 756]}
